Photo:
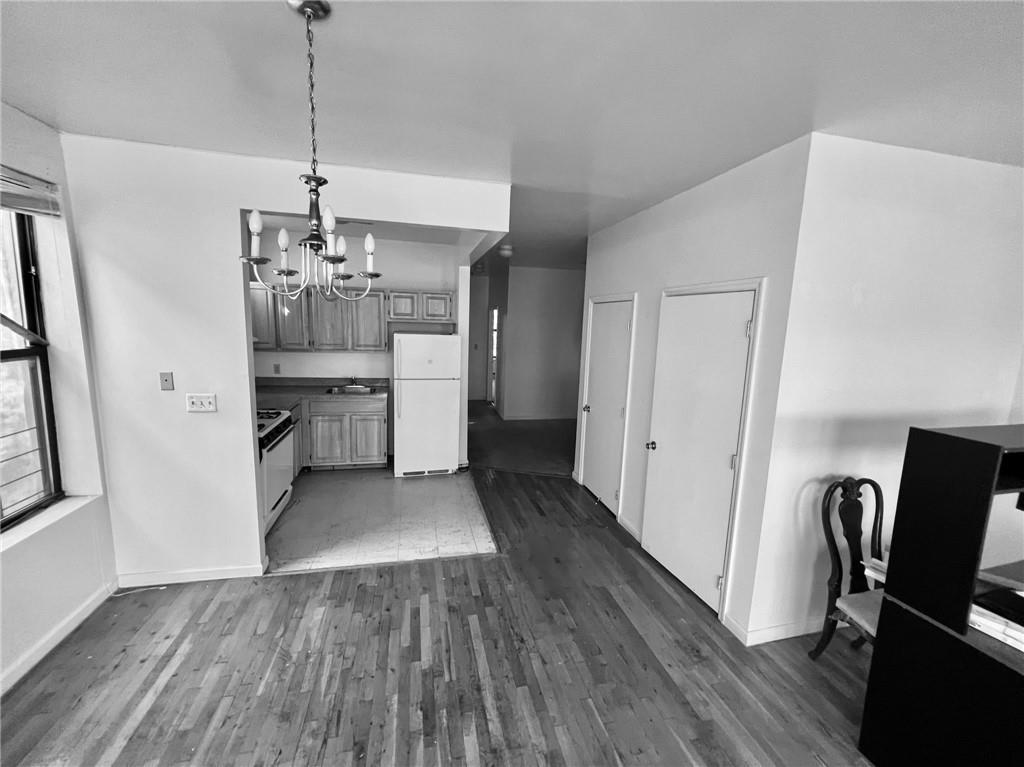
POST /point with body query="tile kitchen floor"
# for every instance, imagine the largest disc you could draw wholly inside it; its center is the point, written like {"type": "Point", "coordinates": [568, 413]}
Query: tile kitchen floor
{"type": "Point", "coordinates": [361, 517]}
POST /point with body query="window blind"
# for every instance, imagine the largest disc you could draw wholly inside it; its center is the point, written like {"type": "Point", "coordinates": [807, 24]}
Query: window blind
{"type": "Point", "coordinates": [27, 194]}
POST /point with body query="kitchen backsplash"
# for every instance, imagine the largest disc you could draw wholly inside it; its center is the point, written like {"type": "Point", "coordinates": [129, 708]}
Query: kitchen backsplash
{"type": "Point", "coordinates": [323, 364]}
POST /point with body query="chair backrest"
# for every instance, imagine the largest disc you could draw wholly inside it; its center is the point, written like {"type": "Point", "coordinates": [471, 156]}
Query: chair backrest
{"type": "Point", "coordinates": [851, 514]}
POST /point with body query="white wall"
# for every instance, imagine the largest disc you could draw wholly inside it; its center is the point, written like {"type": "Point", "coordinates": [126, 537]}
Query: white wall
{"type": "Point", "coordinates": [182, 487]}
{"type": "Point", "coordinates": [542, 334]}
{"type": "Point", "coordinates": [739, 225]}
{"type": "Point", "coordinates": [478, 292]}
{"type": "Point", "coordinates": [59, 565]}
{"type": "Point", "coordinates": [905, 311]}
{"type": "Point", "coordinates": [411, 265]}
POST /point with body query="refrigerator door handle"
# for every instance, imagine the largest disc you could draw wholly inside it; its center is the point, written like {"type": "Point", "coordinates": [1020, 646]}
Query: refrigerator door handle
{"type": "Point", "coordinates": [398, 358]}
{"type": "Point", "coordinates": [398, 393]}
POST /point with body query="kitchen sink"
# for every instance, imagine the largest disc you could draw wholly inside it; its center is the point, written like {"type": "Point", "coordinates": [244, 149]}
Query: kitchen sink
{"type": "Point", "coordinates": [352, 389]}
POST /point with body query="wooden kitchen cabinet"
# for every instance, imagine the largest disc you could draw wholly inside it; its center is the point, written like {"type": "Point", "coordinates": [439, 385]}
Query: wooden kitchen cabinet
{"type": "Point", "coordinates": [368, 436]}
{"type": "Point", "coordinates": [293, 322]}
{"type": "Point", "coordinates": [348, 431]}
{"type": "Point", "coordinates": [436, 307]}
{"type": "Point", "coordinates": [328, 439]}
{"type": "Point", "coordinates": [330, 324]}
{"type": "Point", "coordinates": [403, 305]}
{"type": "Point", "coordinates": [301, 457]}
{"type": "Point", "coordinates": [264, 325]}
{"type": "Point", "coordinates": [367, 322]}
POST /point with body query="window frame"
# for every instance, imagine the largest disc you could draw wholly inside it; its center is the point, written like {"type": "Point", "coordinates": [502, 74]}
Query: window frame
{"type": "Point", "coordinates": [34, 334]}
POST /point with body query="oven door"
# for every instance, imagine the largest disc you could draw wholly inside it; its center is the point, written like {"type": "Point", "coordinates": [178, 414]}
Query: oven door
{"type": "Point", "coordinates": [278, 472]}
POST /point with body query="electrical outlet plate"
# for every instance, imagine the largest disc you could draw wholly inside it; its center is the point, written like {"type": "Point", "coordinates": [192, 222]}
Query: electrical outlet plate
{"type": "Point", "coordinates": [167, 382]}
{"type": "Point", "coordinates": [200, 403]}
{"type": "Point", "coordinates": [277, 368]}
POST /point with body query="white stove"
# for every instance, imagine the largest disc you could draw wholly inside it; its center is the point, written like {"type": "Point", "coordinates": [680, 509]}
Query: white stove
{"type": "Point", "coordinates": [275, 433]}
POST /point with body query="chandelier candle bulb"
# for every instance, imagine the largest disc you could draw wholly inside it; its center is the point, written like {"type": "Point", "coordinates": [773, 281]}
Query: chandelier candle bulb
{"type": "Point", "coordinates": [329, 223]}
{"type": "Point", "coordinates": [282, 243]}
{"type": "Point", "coordinates": [255, 228]}
{"type": "Point", "coordinates": [369, 245]}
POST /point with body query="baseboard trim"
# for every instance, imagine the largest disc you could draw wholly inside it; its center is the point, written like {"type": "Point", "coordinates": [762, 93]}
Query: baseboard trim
{"type": "Point", "coordinates": [629, 529]}
{"type": "Point", "coordinates": [160, 577]}
{"type": "Point", "coordinates": [54, 637]}
{"type": "Point", "coordinates": [775, 633]}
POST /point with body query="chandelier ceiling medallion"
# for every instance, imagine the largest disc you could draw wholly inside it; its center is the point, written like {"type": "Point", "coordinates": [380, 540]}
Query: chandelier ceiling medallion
{"type": "Point", "coordinates": [320, 257]}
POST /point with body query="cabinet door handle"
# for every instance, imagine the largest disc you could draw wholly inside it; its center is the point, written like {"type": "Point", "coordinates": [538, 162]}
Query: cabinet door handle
{"type": "Point", "coordinates": [586, 408]}
{"type": "Point", "coordinates": [652, 445]}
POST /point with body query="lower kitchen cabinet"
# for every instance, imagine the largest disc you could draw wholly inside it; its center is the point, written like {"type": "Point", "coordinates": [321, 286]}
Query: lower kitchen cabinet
{"type": "Point", "coordinates": [299, 440]}
{"type": "Point", "coordinates": [368, 434]}
{"type": "Point", "coordinates": [328, 440]}
{"type": "Point", "coordinates": [348, 431]}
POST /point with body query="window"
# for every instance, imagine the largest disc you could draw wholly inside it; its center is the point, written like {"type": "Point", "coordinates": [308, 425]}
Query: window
{"type": "Point", "coordinates": [29, 471]}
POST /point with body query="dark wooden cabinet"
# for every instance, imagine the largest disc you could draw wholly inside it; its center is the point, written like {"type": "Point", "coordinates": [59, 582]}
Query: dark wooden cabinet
{"type": "Point", "coordinates": [264, 323]}
{"type": "Point", "coordinates": [330, 324]}
{"type": "Point", "coordinates": [939, 691]}
{"type": "Point", "coordinates": [293, 322]}
{"type": "Point", "coordinates": [367, 322]}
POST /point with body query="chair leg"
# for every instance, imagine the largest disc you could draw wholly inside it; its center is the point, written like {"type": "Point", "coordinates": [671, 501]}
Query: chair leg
{"type": "Point", "coordinates": [827, 631]}
{"type": "Point", "coordinates": [858, 642]}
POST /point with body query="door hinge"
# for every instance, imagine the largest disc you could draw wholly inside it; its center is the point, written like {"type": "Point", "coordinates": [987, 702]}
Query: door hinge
{"type": "Point", "coordinates": [750, 324]}
{"type": "Point", "coordinates": [732, 461]}
{"type": "Point", "coordinates": [718, 583]}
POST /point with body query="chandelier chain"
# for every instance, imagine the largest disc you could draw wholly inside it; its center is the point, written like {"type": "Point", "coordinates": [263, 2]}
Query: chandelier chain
{"type": "Point", "coordinates": [312, 101]}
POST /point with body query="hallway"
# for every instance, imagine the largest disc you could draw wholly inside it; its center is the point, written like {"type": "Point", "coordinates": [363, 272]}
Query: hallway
{"type": "Point", "coordinates": [526, 447]}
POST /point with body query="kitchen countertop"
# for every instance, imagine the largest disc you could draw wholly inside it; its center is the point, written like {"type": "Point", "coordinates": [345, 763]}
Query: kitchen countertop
{"type": "Point", "coordinates": [280, 393]}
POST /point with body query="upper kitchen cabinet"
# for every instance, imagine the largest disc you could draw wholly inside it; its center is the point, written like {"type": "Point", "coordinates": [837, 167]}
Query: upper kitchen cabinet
{"type": "Point", "coordinates": [330, 324]}
{"type": "Point", "coordinates": [293, 322]}
{"type": "Point", "coordinates": [367, 326]}
{"type": "Point", "coordinates": [419, 306]}
{"type": "Point", "coordinates": [264, 326]}
{"type": "Point", "coordinates": [403, 305]}
{"type": "Point", "coordinates": [436, 307]}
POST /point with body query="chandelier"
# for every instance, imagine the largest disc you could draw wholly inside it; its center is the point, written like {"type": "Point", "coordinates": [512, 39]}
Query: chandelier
{"type": "Point", "coordinates": [321, 258]}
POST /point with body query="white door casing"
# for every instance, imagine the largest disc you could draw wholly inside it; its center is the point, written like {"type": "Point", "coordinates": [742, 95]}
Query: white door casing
{"type": "Point", "coordinates": [604, 410]}
{"type": "Point", "coordinates": [696, 413]}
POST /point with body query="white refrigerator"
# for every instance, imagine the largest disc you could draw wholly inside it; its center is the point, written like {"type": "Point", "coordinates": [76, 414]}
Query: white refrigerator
{"type": "Point", "coordinates": [427, 395]}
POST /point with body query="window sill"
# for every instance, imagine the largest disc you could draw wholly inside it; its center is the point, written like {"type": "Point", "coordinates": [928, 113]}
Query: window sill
{"type": "Point", "coordinates": [48, 516]}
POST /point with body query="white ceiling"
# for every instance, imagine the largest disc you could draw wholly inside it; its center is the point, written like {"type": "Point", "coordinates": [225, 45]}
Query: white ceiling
{"type": "Point", "coordinates": [591, 110]}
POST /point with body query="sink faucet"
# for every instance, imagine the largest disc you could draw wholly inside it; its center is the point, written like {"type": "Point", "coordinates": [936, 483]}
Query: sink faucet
{"type": "Point", "coordinates": [353, 381]}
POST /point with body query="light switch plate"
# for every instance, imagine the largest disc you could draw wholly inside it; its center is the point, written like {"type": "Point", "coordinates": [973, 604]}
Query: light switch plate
{"type": "Point", "coordinates": [200, 403]}
{"type": "Point", "coordinates": [167, 382]}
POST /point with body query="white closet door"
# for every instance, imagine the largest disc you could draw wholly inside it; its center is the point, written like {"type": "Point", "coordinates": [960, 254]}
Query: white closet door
{"type": "Point", "coordinates": [699, 383]}
{"type": "Point", "coordinates": [607, 375]}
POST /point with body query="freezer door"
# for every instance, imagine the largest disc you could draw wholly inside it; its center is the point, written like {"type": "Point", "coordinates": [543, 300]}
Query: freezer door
{"type": "Point", "coordinates": [426, 356]}
{"type": "Point", "coordinates": [426, 427]}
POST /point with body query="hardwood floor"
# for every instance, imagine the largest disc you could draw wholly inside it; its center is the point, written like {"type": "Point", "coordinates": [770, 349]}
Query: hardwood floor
{"type": "Point", "coordinates": [570, 646]}
{"type": "Point", "coordinates": [530, 446]}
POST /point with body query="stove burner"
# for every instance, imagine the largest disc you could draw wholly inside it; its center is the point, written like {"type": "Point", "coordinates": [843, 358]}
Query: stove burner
{"type": "Point", "coordinates": [268, 414]}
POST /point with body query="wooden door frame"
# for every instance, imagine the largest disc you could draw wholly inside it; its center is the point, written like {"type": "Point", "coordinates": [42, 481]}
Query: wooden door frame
{"type": "Point", "coordinates": [757, 285]}
{"type": "Point", "coordinates": [577, 474]}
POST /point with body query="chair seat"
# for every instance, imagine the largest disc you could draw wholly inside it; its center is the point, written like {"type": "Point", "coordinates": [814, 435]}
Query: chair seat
{"type": "Point", "coordinates": [862, 609]}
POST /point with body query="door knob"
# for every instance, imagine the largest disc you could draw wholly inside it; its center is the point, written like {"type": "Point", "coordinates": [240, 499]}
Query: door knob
{"type": "Point", "coordinates": [652, 445]}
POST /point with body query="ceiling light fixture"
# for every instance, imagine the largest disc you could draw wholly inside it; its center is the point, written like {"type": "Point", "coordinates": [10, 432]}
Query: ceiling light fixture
{"type": "Point", "coordinates": [320, 257]}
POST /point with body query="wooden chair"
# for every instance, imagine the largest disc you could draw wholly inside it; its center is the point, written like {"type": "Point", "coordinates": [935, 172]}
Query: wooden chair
{"type": "Point", "coordinates": [861, 605]}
